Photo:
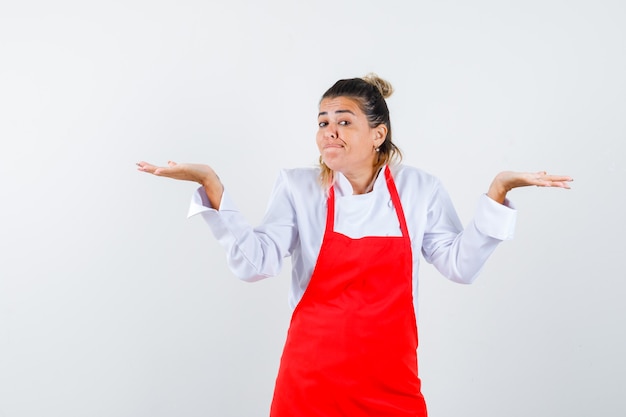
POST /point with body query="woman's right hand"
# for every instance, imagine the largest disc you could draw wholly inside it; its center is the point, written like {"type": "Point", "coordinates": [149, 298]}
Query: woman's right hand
{"type": "Point", "coordinates": [202, 174]}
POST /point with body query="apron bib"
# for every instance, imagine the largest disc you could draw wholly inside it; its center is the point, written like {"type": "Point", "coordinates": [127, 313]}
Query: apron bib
{"type": "Point", "coordinates": [351, 348]}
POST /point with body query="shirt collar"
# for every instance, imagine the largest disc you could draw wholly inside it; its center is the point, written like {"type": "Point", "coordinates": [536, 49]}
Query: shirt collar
{"type": "Point", "coordinates": [344, 188]}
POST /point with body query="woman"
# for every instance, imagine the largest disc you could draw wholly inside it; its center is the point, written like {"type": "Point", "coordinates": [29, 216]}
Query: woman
{"type": "Point", "coordinates": [354, 228]}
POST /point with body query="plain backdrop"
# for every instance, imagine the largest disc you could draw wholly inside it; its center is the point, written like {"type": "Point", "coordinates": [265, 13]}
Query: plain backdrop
{"type": "Point", "coordinates": [113, 303]}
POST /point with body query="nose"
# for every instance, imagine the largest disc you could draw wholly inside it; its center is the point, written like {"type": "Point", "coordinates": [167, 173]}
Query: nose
{"type": "Point", "coordinates": [331, 133]}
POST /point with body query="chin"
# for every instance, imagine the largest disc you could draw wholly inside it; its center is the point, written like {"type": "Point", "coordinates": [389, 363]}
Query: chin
{"type": "Point", "coordinates": [332, 164]}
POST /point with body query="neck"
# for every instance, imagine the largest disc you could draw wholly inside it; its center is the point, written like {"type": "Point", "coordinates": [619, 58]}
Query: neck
{"type": "Point", "coordinates": [362, 183]}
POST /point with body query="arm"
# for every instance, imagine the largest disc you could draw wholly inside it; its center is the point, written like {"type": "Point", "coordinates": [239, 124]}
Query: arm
{"type": "Point", "coordinates": [255, 253]}
{"type": "Point", "coordinates": [252, 253]}
{"type": "Point", "coordinates": [461, 254]}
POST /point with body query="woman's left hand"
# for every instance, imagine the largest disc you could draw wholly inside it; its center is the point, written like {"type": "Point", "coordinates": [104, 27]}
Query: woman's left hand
{"type": "Point", "coordinates": [507, 180]}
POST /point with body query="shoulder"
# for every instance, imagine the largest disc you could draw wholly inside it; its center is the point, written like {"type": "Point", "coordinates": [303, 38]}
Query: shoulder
{"type": "Point", "coordinates": [300, 176]}
{"type": "Point", "coordinates": [418, 189]}
{"type": "Point", "coordinates": [412, 177]}
{"type": "Point", "coordinates": [301, 173]}
{"type": "Point", "coordinates": [301, 180]}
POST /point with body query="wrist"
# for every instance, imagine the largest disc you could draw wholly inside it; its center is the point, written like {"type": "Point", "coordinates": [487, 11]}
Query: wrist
{"type": "Point", "coordinates": [497, 191]}
{"type": "Point", "coordinates": [213, 188]}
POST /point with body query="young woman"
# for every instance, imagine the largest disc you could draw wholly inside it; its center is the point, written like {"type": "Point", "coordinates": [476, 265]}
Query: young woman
{"type": "Point", "coordinates": [354, 227]}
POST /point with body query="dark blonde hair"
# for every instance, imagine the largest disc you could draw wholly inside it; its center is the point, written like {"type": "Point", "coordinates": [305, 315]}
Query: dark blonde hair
{"type": "Point", "coordinates": [370, 93]}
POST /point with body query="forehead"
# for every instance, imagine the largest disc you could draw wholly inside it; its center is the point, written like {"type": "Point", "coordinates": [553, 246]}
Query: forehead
{"type": "Point", "coordinates": [335, 104]}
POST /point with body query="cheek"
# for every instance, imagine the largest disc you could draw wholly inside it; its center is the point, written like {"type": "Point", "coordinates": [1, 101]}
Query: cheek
{"type": "Point", "coordinates": [318, 140]}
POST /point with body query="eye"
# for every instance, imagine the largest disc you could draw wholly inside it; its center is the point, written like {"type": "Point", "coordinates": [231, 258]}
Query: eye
{"type": "Point", "coordinates": [344, 123]}
{"type": "Point", "coordinates": [322, 124]}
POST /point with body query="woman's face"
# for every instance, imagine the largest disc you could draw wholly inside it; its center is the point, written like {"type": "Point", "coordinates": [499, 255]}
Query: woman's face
{"type": "Point", "coordinates": [345, 140]}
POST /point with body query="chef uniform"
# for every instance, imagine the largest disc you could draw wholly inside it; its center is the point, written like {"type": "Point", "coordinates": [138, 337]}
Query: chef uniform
{"type": "Point", "coordinates": [351, 346]}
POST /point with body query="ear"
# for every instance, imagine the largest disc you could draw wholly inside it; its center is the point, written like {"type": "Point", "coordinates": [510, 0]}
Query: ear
{"type": "Point", "coordinates": [380, 134]}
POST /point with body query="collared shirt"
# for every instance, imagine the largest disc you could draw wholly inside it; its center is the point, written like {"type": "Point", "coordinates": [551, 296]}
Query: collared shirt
{"type": "Point", "coordinates": [295, 220]}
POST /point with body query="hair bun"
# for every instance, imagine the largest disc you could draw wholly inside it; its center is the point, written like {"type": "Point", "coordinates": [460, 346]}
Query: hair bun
{"type": "Point", "coordinates": [383, 86]}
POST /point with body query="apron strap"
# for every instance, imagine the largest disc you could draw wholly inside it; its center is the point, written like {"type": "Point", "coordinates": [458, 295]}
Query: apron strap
{"type": "Point", "coordinates": [395, 198]}
{"type": "Point", "coordinates": [330, 211]}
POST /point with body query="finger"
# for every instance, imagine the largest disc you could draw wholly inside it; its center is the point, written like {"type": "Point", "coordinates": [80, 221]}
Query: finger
{"type": "Point", "coordinates": [163, 171]}
{"type": "Point", "coordinates": [146, 167]}
{"type": "Point", "coordinates": [560, 181]}
{"type": "Point", "coordinates": [174, 171]}
{"type": "Point", "coordinates": [542, 183]}
{"type": "Point", "coordinates": [560, 184]}
{"type": "Point", "coordinates": [559, 178]}
{"type": "Point", "coordinates": [543, 175]}
{"type": "Point", "coordinates": [171, 163]}
{"type": "Point", "coordinates": [557, 184]}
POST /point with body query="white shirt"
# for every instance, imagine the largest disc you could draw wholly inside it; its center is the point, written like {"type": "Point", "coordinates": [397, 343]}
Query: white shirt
{"type": "Point", "coordinates": [295, 220]}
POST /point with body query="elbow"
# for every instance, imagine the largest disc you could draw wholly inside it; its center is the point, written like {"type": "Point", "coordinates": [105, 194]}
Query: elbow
{"type": "Point", "coordinates": [465, 278]}
{"type": "Point", "coordinates": [465, 271]}
{"type": "Point", "coordinates": [250, 278]}
{"type": "Point", "coordinates": [455, 267]}
{"type": "Point", "coordinates": [456, 270]}
{"type": "Point", "coordinates": [253, 258]}
{"type": "Point", "coordinates": [248, 271]}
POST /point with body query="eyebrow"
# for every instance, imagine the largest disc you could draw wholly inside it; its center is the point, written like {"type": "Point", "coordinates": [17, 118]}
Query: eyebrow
{"type": "Point", "coordinates": [324, 113]}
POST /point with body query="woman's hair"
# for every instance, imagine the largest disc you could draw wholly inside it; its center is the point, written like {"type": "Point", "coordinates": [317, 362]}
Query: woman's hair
{"type": "Point", "coordinates": [370, 93]}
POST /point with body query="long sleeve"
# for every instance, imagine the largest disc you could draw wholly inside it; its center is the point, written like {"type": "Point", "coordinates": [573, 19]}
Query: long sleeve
{"type": "Point", "coordinates": [460, 254]}
{"type": "Point", "coordinates": [252, 253]}
{"type": "Point", "coordinates": [295, 221]}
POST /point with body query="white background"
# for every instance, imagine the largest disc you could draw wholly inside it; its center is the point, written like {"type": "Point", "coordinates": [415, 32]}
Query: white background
{"type": "Point", "coordinates": [112, 303]}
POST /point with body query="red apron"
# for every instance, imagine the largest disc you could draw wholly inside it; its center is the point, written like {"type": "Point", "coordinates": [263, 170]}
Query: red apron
{"type": "Point", "coordinates": [351, 349]}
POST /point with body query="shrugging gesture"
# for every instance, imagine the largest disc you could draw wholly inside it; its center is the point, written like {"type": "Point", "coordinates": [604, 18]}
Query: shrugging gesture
{"type": "Point", "coordinates": [355, 259]}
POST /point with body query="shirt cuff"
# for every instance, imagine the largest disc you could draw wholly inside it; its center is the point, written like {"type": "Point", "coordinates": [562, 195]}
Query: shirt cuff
{"type": "Point", "coordinates": [494, 219]}
{"type": "Point", "coordinates": [200, 203]}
